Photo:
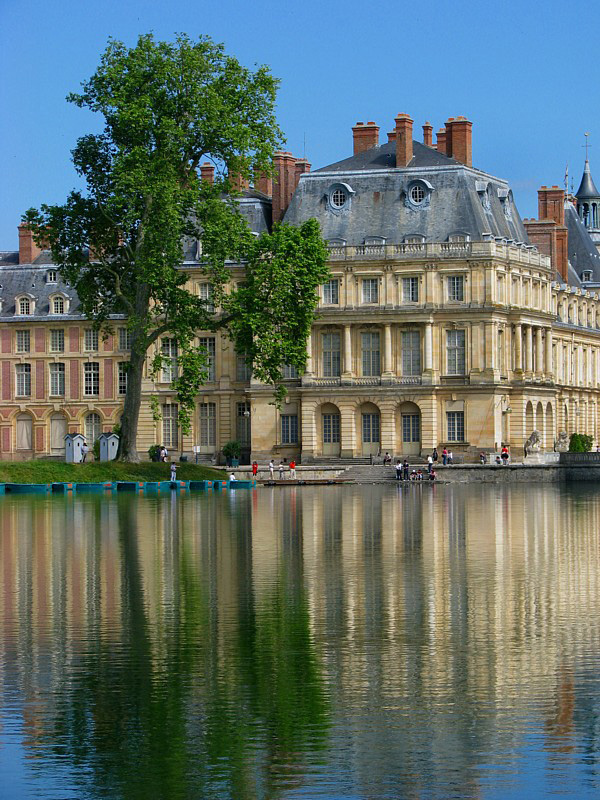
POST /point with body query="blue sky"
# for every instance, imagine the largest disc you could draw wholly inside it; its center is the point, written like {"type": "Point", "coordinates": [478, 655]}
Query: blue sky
{"type": "Point", "coordinates": [521, 71]}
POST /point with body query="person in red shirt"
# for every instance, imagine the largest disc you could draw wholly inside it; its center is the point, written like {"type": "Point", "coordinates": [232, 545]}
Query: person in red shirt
{"type": "Point", "coordinates": [254, 469]}
{"type": "Point", "coordinates": [293, 469]}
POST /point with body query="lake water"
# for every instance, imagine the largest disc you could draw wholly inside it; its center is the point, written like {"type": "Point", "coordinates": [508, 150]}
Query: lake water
{"type": "Point", "coordinates": [326, 642]}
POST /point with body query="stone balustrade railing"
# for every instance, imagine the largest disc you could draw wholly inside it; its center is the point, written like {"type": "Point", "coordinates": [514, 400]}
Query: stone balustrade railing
{"type": "Point", "coordinates": [524, 254]}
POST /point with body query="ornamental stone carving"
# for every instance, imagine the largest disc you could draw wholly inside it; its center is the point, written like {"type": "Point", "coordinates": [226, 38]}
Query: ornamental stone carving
{"type": "Point", "coordinates": [562, 443]}
{"type": "Point", "coordinates": [533, 444]}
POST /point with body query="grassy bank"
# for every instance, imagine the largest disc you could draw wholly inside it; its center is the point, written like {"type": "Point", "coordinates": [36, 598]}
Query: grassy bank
{"type": "Point", "coordinates": [57, 471]}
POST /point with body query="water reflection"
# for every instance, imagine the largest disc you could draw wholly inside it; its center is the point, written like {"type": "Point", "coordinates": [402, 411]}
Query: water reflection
{"type": "Point", "coordinates": [339, 642]}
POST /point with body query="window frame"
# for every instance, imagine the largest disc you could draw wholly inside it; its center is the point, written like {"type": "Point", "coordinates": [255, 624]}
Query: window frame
{"type": "Point", "coordinates": [456, 351]}
{"type": "Point", "coordinates": [209, 343]}
{"type": "Point", "coordinates": [55, 332]}
{"type": "Point", "coordinates": [91, 341]}
{"type": "Point", "coordinates": [373, 283]}
{"type": "Point", "coordinates": [454, 430]}
{"type": "Point", "coordinates": [331, 357]}
{"type": "Point", "coordinates": [26, 336]}
{"type": "Point", "coordinates": [411, 281]}
{"type": "Point", "coordinates": [370, 363]}
{"type": "Point", "coordinates": [57, 374]}
{"type": "Point", "coordinates": [22, 380]}
{"type": "Point", "coordinates": [289, 429]}
{"type": "Point", "coordinates": [452, 285]}
{"type": "Point", "coordinates": [328, 289]}
{"type": "Point", "coordinates": [91, 379]}
{"type": "Point", "coordinates": [122, 377]}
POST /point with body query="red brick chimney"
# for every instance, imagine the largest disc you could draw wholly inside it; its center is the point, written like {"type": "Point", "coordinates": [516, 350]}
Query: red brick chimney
{"type": "Point", "coordinates": [549, 233]}
{"type": "Point", "coordinates": [460, 140]}
{"type": "Point", "coordinates": [551, 204]}
{"type": "Point", "coordinates": [28, 249]}
{"type": "Point", "coordinates": [428, 134]}
{"type": "Point", "coordinates": [391, 136]}
{"type": "Point", "coordinates": [302, 167]}
{"type": "Point", "coordinates": [264, 184]}
{"type": "Point", "coordinates": [207, 173]}
{"type": "Point", "coordinates": [449, 136]}
{"type": "Point", "coordinates": [365, 136]}
{"type": "Point", "coordinates": [440, 144]}
{"type": "Point", "coordinates": [284, 183]}
{"type": "Point", "coordinates": [404, 141]}
{"type": "Point", "coordinates": [238, 182]}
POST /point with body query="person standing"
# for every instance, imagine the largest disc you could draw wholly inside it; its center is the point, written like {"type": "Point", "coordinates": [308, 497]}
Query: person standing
{"type": "Point", "coordinates": [163, 453]}
{"type": "Point", "coordinates": [173, 472]}
{"type": "Point", "coordinates": [450, 457]}
{"type": "Point", "coordinates": [232, 477]}
{"type": "Point", "coordinates": [444, 456]}
{"type": "Point", "coordinates": [405, 470]}
{"type": "Point", "coordinates": [398, 470]}
{"type": "Point", "coordinates": [254, 469]}
{"type": "Point", "coordinates": [435, 455]}
{"type": "Point", "coordinates": [84, 451]}
{"type": "Point", "coordinates": [281, 471]}
{"type": "Point", "coordinates": [429, 464]}
{"type": "Point", "coordinates": [293, 469]}
{"type": "Point", "coordinates": [504, 455]}
{"type": "Point", "coordinates": [271, 469]}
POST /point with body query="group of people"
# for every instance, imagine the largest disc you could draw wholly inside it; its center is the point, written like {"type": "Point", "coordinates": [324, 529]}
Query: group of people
{"type": "Point", "coordinates": [404, 472]}
{"type": "Point", "coordinates": [283, 465]}
{"type": "Point", "coordinates": [500, 460]}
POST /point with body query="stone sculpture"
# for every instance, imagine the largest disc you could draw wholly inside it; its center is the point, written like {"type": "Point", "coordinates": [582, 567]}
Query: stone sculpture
{"type": "Point", "coordinates": [533, 444]}
{"type": "Point", "coordinates": [562, 443]}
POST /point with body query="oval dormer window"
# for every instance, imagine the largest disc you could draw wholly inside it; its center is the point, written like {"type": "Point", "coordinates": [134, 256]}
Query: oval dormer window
{"type": "Point", "coordinates": [339, 198]}
{"type": "Point", "coordinates": [417, 194]}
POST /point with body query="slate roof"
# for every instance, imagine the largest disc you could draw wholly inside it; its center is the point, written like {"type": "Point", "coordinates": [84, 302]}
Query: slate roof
{"type": "Point", "coordinates": [587, 187]}
{"type": "Point", "coordinates": [461, 200]}
{"type": "Point", "coordinates": [31, 279]}
{"type": "Point", "coordinates": [583, 254]}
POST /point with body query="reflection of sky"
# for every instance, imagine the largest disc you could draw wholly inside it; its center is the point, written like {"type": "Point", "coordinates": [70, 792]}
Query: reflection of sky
{"type": "Point", "coordinates": [340, 642]}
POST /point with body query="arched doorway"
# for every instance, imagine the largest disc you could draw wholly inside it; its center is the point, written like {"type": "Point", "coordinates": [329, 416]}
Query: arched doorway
{"type": "Point", "coordinates": [550, 434]}
{"type": "Point", "coordinates": [58, 431]}
{"type": "Point", "coordinates": [330, 430]}
{"type": "Point", "coordinates": [409, 429]}
{"type": "Point", "coordinates": [93, 428]}
{"type": "Point", "coordinates": [370, 429]}
{"type": "Point", "coordinates": [24, 432]}
{"type": "Point", "coordinates": [529, 421]}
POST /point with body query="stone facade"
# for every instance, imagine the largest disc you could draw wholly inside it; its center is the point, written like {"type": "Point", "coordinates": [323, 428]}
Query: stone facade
{"type": "Point", "coordinates": [442, 325]}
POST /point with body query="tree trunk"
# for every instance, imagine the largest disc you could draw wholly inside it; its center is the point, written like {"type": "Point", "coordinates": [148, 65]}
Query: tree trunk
{"type": "Point", "coordinates": [131, 412]}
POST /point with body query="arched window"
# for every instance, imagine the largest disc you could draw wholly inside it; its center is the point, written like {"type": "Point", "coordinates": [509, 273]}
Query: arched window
{"type": "Point", "coordinates": [24, 306]}
{"type": "Point", "coordinates": [93, 428]}
{"type": "Point", "coordinates": [58, 305]}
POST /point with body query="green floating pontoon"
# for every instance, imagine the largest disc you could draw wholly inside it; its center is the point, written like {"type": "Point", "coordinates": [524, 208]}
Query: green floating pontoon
{"type": "Point", "coordinates": [105, 486]}
{"type": "Point", "coordinates": [63, 488]}
{"type": "Point", "coordinates": [130, 486]}
{"type": "Point", "coordinates": [219, 484]}
{"type": "Point", "coordinates": [200, 485]}
{"type": "Point", "coordinates": [28, 488]}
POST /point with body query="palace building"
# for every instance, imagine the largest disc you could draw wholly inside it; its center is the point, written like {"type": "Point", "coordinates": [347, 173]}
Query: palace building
{"type": "Point", "coordinates": [447, 320]}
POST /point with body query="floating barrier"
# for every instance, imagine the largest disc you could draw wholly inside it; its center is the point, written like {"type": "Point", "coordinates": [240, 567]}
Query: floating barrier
{"type": "Point", "coordinates": [2, 488]}
{"type": "Point", "coordinates": [203, 485]}
{"type": "Point", "coordinates": [220, 484]}
{"type": "Point", "coordinates": [63, 488]}
{"type": "Point", "coordinates": [241, 484]}
{"type": "Point", "coordinates": [105, 486]}
{"type": "Point", "coordinates": [28, 488]}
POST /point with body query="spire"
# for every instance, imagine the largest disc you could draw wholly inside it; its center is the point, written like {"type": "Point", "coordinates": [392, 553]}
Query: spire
{"type": "Point", "coordinates": [587, 187]}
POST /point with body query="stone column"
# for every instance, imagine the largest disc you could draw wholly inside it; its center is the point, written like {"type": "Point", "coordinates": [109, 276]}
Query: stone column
{"type": "Point", "coordinates": [549, 366]}
{"type": "Point", "coordinates": [309, 361]}
{"type": "Point", "coordinates": [528, 350]}
{"type": "Point", "coordinates": [559, 361]}
{"type": "Point", "coordinates": [428, 347]}
{"type": "Point", "coordinates": [347, 367]}
{"type": "Point", "coordinates": [518, 348]}
{"type": "Point", "coordinates": [387, 350]}
{"type": "Point", "coordinates": [539, 353]}
{"type": "Point", "coordinates": [490, 346]}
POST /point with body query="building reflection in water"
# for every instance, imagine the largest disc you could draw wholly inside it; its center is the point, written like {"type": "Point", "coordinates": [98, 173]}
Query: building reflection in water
{"type": "Point", "coordinates": [354, 640]}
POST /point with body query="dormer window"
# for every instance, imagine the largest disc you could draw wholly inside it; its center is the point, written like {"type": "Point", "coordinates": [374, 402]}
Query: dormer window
{"type": "Point", "coordinates": [51, 276]}
{"type": "Point", "coordinates": [458, 237]}
{"type": "Point", "coordinates": [58, 305]}
{"type": "Point", "coordinates": [414, 238]}
{"type": "Point", "coordinates": [586, 275]}
{"type": "Point", "coordinates": [339, 196]}
{"type": "Point", "coordinates": [418, 194]}
{"type": "Point", "coordinates": [483, 190]}
{"type": "Point", "coordinates": [24, 306]}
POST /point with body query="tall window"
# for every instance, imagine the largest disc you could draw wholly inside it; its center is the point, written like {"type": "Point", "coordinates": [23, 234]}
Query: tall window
{"type": "Point", "coordinates": [23, 341]}
{"type": "Point", "coordinates": [208, 343]}
{"type": "Point", "coordinates": [51, 276]}
{"type": "Point", "coordinates": [456, 288]}
{"type": "Point", "coordinates": [410, 290]}
{"type": "Point", "coordinates": [289, 371]}
{"type": "Point", "coordinates": [243, 424]}
{"type": "Point", "coordinates": [90, 340]}
{"type": "Point", "coordinates": [331, 428]}
{"type": "Point", "coordinates": [123, 371]}
{"type": "Point", "coordinates": [411, 428]}
{"type": "Point", "coordinates": [243, 371]}
{"type": "Point", "coordinates": [208, 425]}
{"type": "Point", "coordinates": [124, 339]}
{"type": "Point", "coordinates": [370, 290]}
{"type": "Point", "coordinates": [170, 425]}
{"type": "Point", "coordinates": [169, 364]}
{"type": "Point", "coordinates": [456, 426]}
{"type": "Point", "coordinates": [58, 305]}
{"type": "Point", "coordinates": [289, 429]}
{"type": "Point", "coordinates": [371, 361]}
{"type": "Point", "coordinates": [57, 341]}
{"type": "Point", "coordinates": [455, 352]}
{"type": "Point", "coordinates": [206, 294]}
{"type": "Point", "coordinates": [331, 292]}
{"type": "Point", "coordinates": [93, 428]}
{"type": "Point", "coordinates": [411, 353]}
{"type": "Point", "coordinates": [23, 380]}
{"type": "Point", "coordinates": [331, 355]}
{"type": "Point", "coordinates": [57, 380]}
{"type": "Point", "coordinates": [91, 378]}
{"type": "Point", "coordinates": [24, 306]}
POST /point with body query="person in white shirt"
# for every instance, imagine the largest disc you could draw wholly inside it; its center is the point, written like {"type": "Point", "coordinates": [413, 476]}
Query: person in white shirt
{"type": "Point", "coordinates": [271, 468]}
{"type": "Point", "coordinates": [429, 463]}
{"type": "Point", "coordinates": [232, 476]}
{"type": "Point", "coordinates": [173, 471]}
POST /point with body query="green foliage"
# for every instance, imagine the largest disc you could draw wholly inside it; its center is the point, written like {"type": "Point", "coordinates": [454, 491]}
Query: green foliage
{"type": "Point", "coordinates": [232, 449]}
{"type": "Point", "coordinates": [96, 450]}
{"type": "Point", "coordinates": [39, 471]}
{"type": "Point", "coordinates": [580, 443]}
{"type": "Point", "coordinates": [153, 452]}
{"type": "Point", "coordinates": [166, 108]}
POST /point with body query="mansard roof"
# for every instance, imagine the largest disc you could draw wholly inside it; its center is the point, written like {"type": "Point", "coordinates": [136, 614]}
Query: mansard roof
{"type": "Point", "coordinates": [17, 280]}
{"type": "Point", "coordinates": [587, 187]}
{"type": "Point", "coordinates": [459, 199]}
{"type": "Point", "coordinates": [583, 254]}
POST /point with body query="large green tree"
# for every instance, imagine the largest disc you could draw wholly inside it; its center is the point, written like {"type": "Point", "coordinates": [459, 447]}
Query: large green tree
{"type": "Point", "coordinates": [167, 106]}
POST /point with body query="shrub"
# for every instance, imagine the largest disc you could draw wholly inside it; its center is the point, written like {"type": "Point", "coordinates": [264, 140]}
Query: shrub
{"type": "Point", "coordinates": [153, 452]}
{"type": "Point", "coordinates": [232, 449]}
{"type": "Point", "coordinates": [96, 450]}
{"type": "Point", "coordinates": [580, 443]}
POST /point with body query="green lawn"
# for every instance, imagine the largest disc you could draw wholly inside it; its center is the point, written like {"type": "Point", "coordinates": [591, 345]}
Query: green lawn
{"type": "Point", "coordinates": [58, 471]}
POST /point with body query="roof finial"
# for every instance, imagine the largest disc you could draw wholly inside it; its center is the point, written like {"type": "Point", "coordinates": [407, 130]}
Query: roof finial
{"type": "Point", "coordinates": [587, 145]}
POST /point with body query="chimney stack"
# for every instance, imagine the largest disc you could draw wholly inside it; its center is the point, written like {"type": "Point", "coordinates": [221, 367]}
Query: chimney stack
{"type": "Point", "coordinates": [264, 184]}
{"type": "Point", "coordinates": [404, 142]}
{"type": "Point", "coordinates": [302, 167]}
{"type": "Point", "coordinates": [284, 182]}
{"type": "Point", "coordinates": [440, 144]}
{"type": "Point", "coordinates": [428, 134]}
{"type": "Point", "coordinates": [238, 182]}
{"type": "Point", "coordinates": [365, 136]}
{"type": "Point", "coordinates": [551, 204]}
{"type": "Point", "coordinates": [459, 144]}
{"type": "Point", "coordinates": [207, 173]}
{"type": "Point", "coordinates": [391, 136]}
{"type": "Point", "coordinates": [28, 249]}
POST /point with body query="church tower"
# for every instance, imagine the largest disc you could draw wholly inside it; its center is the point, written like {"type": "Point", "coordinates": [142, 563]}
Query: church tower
{"type": "Point", "coordinates": [588, 204]}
